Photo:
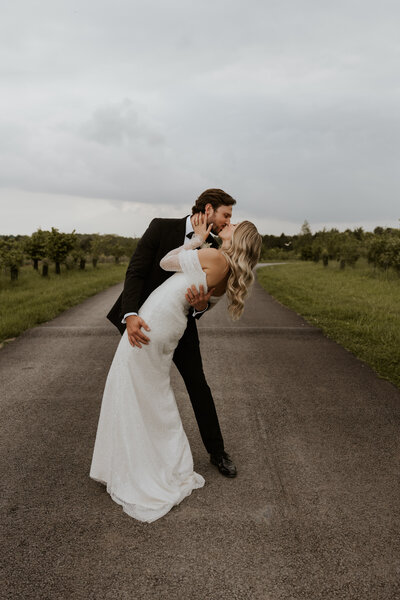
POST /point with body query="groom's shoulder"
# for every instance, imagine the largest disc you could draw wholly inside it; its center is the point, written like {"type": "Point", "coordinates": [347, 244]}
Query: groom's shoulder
{"type": "Point", "coordinates": [169, 221]}
{"type": "Point", "coordinates": [164, 223]}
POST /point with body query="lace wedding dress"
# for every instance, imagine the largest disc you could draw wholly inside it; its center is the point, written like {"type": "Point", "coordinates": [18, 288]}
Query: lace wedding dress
{"type": "Point", "coordinates": [141, 451]}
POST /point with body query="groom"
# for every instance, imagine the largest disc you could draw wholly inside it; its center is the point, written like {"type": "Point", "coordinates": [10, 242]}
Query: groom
{"type": "Point", "coordinates": [143, 275]}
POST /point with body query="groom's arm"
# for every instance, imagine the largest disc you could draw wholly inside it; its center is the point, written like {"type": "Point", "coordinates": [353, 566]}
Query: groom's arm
{"type": "Point", "coordinates": [197, 314]}
{"type": "Point", "coordinates": [140, 266]}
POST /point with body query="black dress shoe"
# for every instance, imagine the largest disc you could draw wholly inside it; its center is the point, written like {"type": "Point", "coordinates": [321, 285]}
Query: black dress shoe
{"type": "Point", "coordinates": [224, 464]}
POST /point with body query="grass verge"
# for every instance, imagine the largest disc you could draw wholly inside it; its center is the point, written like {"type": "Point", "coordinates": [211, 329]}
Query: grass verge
{"type": "Point", "coordinates": [357, 307]}
{"type": "Point", "coordinates": [34, 299]}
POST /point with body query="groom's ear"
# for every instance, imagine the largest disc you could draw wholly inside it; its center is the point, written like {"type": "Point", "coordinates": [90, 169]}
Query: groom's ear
{"type": "Point", "coordinates": [208, 209]}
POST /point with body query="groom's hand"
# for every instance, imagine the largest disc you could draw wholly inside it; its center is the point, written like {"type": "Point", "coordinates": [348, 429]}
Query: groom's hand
{"type": "Point", "coordinates": [134, 325]}
{"type": "Point", "coordinates": [197, 298]}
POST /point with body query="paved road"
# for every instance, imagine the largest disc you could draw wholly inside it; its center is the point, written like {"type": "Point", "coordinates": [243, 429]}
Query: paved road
{"type": "Point", "coordinates": [313, 514]}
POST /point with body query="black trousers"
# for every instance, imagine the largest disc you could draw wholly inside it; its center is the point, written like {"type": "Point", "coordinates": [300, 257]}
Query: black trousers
{"type": "Point", "coordinates": [187, 358]}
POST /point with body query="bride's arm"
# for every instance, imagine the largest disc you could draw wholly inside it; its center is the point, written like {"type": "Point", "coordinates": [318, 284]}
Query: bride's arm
{"type": "Point", "coordinates": [170, 262]}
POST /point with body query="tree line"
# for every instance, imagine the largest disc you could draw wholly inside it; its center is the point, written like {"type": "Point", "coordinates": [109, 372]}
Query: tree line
{"type": "Point", "coordinates": [44, 248]}
{"type": "Point", "coordinates": [74, 250]}
{"type": "Point", "coordinates": [381, 247]}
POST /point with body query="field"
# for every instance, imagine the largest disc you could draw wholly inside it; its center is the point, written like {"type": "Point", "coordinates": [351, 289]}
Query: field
{"type": "Point", "coordinates": [358, 307]}
{"type": "Point", "coordinates": [34, 299]}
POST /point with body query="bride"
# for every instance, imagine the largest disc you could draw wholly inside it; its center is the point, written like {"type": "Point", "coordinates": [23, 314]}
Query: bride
{"type": "Point", "coordinates": [141, 451]}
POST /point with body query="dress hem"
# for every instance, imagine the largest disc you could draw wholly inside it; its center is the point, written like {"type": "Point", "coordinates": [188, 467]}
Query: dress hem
{"type": "Point", "coordinates": [148, 515]}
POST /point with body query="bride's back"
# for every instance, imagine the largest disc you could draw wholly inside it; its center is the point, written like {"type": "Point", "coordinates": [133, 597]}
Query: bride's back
{"type": "Point", "coordinates": [216, 268]}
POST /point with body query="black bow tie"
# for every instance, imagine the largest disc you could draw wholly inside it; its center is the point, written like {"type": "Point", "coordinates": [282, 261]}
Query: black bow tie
{"type": "Point", "coordinates": [190, 235]}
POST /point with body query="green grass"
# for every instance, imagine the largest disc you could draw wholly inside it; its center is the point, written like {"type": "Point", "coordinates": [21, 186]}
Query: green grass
{"type": "Point", "coordinates": [357, 307]}
{"type": "Point", "coordinates": [34, 299]}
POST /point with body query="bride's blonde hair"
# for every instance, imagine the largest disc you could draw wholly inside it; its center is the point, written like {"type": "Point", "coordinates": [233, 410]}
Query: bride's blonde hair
{"type": "Point", "coordinates": [242, 256]}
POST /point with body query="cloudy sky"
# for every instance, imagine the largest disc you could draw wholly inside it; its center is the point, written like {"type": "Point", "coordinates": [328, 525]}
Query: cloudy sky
{"type": "Point", "coordinates": [116, 111]}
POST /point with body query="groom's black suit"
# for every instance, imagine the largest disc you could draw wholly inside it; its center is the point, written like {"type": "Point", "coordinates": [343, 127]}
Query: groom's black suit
{"type": "Point", "coordinates": [144, 275]}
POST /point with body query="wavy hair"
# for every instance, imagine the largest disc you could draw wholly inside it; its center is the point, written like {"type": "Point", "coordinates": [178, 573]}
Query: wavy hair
{"type": "Point", "coordinates": [242, 256]}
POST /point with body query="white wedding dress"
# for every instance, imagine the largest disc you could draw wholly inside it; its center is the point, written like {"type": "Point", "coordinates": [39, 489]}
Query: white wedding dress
{"type": "Point", "coordinates": [141, 451]}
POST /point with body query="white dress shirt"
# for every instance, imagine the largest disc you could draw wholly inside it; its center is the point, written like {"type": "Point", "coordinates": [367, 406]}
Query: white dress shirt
{"type": "Point", "coordinates": [188, 229]}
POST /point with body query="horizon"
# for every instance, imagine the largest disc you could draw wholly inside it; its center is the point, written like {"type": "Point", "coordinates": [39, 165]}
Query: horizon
{"type": "Point", "coordinates": [313, 232]}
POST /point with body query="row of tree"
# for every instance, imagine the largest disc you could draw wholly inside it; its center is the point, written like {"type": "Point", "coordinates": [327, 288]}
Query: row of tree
{"type": "Point", "coordinates": [381, 247]}
{"type": "Point", "coordinates": [69, 249]}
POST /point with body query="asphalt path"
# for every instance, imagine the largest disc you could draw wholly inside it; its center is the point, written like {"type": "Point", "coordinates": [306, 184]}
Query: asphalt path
{"type": "Point", "coordinates": [313, 513]}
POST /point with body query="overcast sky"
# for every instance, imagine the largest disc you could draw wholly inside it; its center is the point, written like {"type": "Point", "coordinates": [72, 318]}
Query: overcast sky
{"type": "Point", "coordinates": [113, 112]}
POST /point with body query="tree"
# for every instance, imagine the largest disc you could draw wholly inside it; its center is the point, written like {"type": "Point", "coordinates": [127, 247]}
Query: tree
{"type": "Point", "coordinates": [114, 246]}
{"type": "Point", "coordinates": [384, 251]}
{"type": "Point", "coordinates": [349, 251]}
{"type": "Point", "coordinates": [333, 241]}
{"type": "Point", "coordinates": [303, 242]}
{"type": "Point", "coordinates": [359, 234]}
{"type": "Point", "coordinates": [96, 248]}
{"type": "Point", "coordinates": [11, 255]}
{"type": "Point", "coordinates": [35, 246]}
{"type": "Point", "coordinates": [81, 249]}
{"type": "Point", "coordinates": [59, 245]}
{"type": "Point", "coordinates": [305, 229]}
{"type": "Point", "coordinates": [325, 257]}
{"type": "Point", "coordinates": [394, 250]}
{"type": "Point", "coordinates": [316, 249]}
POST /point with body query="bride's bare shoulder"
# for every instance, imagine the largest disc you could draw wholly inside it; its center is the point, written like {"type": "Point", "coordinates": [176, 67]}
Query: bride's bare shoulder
{"type": "Point", "coordinates": [211, 257]}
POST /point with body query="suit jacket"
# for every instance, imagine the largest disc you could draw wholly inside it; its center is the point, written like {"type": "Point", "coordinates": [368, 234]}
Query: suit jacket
{"type": "Point", "coordinates": [144, 273]}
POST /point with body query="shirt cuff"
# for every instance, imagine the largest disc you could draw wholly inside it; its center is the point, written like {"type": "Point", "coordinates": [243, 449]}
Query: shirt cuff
{"type": "Point", "coordinates": [128, 315]}
{"type": "Point", "coordinates": [199, 312]}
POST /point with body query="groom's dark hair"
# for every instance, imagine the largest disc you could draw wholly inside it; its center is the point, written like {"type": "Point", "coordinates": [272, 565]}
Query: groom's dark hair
{"type": "Point", "coordinates": [214, 197]}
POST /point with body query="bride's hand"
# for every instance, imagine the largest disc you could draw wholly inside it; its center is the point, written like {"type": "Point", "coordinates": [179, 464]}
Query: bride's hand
{"type": "Point", "coordinates": [199, 222]}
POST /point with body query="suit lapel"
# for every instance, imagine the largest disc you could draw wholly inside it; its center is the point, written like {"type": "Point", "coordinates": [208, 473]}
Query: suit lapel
{"type": "Point", "coordinates": [177, 234]}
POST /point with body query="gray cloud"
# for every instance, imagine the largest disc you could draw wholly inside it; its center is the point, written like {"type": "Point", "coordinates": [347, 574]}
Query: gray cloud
{"type": "Point", "coordinates": [291, 107]}
{"type": "Point", "coordinates": [119, 124]}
